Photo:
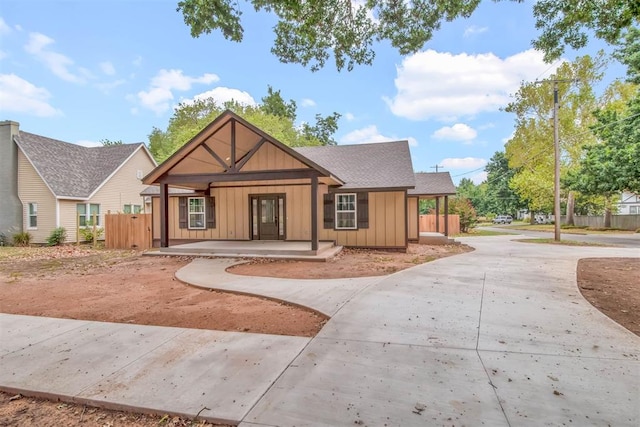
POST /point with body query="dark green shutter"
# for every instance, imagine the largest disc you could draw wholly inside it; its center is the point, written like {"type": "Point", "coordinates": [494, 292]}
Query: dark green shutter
{"type": "Point", "coordinates": [329, 210]}
{"type": "Point", "coordinates": [363, 210]}
{"type": "Point", "coordinates": [211, 212]}
{"type": "Point", "coordinates": [183, 212]}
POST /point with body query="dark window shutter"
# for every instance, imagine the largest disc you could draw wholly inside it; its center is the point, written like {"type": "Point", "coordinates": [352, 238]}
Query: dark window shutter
{"type": "Point", "coordinates": [328, 211]}
{"type": "Point", "coordinates": [183, 213]}
{"type": "Point", "coordinates": [211, 212]}
{"type": "Point", "coordinates": [363, 210]}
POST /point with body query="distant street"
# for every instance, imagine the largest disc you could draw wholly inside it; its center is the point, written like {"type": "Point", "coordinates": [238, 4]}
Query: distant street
{"type": "Point", "coordinates": [618, 239]}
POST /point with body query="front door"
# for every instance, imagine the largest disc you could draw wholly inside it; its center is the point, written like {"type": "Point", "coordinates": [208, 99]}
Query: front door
{"type": "Point", "coordinates": [268, 217]}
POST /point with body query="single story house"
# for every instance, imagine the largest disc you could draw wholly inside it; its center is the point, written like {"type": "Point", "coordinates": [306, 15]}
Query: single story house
{"type": "Point", "coordinates": [46, 183]}
{"type": "Point", "coordinates": [629, 204]}
{"type": "Point", "coordinates": [232, 181]}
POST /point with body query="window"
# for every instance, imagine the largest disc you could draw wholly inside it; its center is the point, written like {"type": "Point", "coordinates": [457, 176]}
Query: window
{"type": "Point", "coordinates": [85, 213]}
{"type": "Point", "coordinates": [33, 215]}
{"type": "Point", "coordinates": [346, 211]}
{"type": "Point", "coordinates": [634, 210]}
{"type": "Point", "coordinates": [134, 209]}
{"type": "Point", "coordinates": [196, 213]}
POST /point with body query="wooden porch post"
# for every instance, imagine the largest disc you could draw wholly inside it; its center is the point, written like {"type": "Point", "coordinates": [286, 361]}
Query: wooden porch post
{"type": "Point", "coordinates": [314, 213]}
{"type": "Point", "coordinates": [164, 215]}
{"type": "Point", "coordinates": [437, 214]}
{"type": "Point", "coordinates": [446, 216]}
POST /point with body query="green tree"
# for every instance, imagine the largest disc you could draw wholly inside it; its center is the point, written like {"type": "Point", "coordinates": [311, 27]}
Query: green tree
{"type": "Point", "coordinates": [462, 206]}
{"type": "Point", "coordinates": [477, 195]}
{"type": "Point", "coordinates": [501, 199]}
{"type": "Point", "coordinates": [310, 32]}
{"type": "Point", "coordinates": [274, 116]}
{"type": "Point", "coordinates": [530, 151]}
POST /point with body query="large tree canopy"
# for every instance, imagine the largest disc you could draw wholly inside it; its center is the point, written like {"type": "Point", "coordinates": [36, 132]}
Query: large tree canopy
{"type": "Point", "coordinates": [309, 32]}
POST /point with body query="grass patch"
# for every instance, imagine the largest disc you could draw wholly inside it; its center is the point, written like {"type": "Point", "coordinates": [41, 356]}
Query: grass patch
{"type": "Point", "coordinates": [568, 229]}
{"type": "Point", "coordinates": [551, 241]}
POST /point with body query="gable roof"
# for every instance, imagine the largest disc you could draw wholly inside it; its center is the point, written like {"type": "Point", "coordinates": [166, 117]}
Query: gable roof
{"type": "Point", "coordinates": [217, 124]}
{"type": "Point", "coordinates": [71, 170]}
{"type": "Point", "coordinates": [433, 184]}
{"type": "Point", "coordinates": [366, 166]}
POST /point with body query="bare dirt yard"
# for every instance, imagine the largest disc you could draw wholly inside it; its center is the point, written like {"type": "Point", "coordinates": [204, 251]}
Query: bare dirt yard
{"type": "Point", "coordinates": [123, 286]}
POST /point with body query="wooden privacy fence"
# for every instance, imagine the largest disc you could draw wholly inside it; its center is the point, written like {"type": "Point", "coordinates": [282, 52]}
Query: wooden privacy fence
{"type": "Point", "coordinates": [127, 231]}
{"type": "Point", "coordinates": [428, 224]}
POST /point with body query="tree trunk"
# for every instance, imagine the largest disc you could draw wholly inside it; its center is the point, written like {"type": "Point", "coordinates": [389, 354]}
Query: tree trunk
{"type": "Point", "coordinates": [532, 217]}
{"type": "Point", "coordinates": [607, 212]}
{"type": "Point", "coordinates": [571, 202]}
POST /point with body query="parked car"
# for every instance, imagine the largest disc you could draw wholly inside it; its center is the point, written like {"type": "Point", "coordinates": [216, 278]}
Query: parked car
{"type": "Point", "coordinates": [502, 219]}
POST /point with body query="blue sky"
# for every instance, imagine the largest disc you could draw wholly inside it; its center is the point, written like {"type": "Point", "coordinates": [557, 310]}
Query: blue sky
{"type": "Point", "coordinates": [82, 71]}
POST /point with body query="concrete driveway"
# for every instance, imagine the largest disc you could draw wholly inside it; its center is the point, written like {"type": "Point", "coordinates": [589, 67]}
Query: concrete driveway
{"type": "Point", "coordinates": [500, 336]}
{"type": "Point", "coordinates": [626, 240]}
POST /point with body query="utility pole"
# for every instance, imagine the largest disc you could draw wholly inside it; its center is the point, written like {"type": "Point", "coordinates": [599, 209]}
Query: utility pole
{"type": "Point", "coordinates": [556, 181]}
{"type": "Point", "coordinates": [436, 167]}
{"type": "Point", "coordinates": [556, 150]}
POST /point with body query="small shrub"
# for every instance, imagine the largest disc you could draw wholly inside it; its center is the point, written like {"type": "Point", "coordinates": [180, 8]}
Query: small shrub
{"type": "Point", "coordinates": [57, 237]}
{"type": "Point", "coordinates": [4, 240]}
{"type": "Point", "coordinates": [87, 233]}
{"type": "Point", "coordinates": [22, 238]}
{"type": "Point", "coordinates": [637, 230]}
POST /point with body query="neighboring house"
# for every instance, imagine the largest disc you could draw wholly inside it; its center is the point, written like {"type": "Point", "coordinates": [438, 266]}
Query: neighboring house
{"type": "Point", "coordinates": [246, 185]}
{"type": "Point", "coordinates": [48, 183]}
{"type": "Point", "coordinates": [629, 204]}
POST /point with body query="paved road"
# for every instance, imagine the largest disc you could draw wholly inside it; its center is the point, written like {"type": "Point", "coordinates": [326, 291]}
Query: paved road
{"type": "Point", "coordinates": [617, 239]}
{"type": "Point", "coordinates": [499, 336]}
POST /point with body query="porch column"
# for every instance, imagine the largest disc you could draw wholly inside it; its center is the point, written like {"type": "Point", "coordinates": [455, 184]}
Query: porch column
{"type": "Point", "coordinates": [314, 213]}
{"type": "Point", "coordinates": [164, 215]}
{"type": "Point", "coordinates": [437, 214]}
{"type": "Point", "coordinates": [446, 216]}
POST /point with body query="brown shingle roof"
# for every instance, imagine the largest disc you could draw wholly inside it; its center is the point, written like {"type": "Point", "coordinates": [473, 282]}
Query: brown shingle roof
{"type": "Point", "coordinates": [433, 184]}
{"type": "Point", "coordinates": [366, 166]}
{"type": "Point", "coordinates": [71, 170]}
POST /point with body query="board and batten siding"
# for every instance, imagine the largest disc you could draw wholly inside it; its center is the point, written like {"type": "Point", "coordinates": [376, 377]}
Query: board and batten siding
{"type": "Point", "coordinates": [413, 218]}
{"type": "Point", "coordinates": [32, 189]}
{"type": "Point", "coordinates": [387, 216]}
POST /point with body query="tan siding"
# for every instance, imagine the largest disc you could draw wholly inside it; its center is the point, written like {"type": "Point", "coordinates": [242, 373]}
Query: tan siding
{"type": "Point", "coordinates": [68, 218]}
{"type": "Point", "coordinates": [32, 189]}
{"type": "Point", "coordinates": [412, 217]}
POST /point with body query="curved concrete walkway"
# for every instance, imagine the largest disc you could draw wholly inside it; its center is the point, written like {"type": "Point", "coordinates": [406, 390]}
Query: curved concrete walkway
{"type": "Point", "coordinates": [498, 336]}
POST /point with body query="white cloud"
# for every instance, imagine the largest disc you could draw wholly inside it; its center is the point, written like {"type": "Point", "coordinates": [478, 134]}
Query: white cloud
{"type": "Point", "coordinates": [87, 143]}
{"type": "Point", "coordinates": [474, 30]}
{"type": "Point", "coordinates": [306, 102]}
{"type": "Point", "coordinates": [223, 94]}
{"type": "Point", "coordinates": [349, 117]}
{"type": "Point", "coordinates": [463, 163]}
{"type": "Point", "coordinates": [457, 132]}
{"type": "Point", "coordinates": [107, 68]}
{"type": "Point", "coordinates": [164, 83]}
{"type": "Point", "coordinates": [371, 134]}
{"type": "Point", "coordinates": [20, 96]}
{"type": "Point", "coordinates": [57, 63]}
{"type": "Point", "coordinates": [4, 28]}
{"type": "Point", "coordinates": [108, 87]}
{"type": "Point", "coordinates": [432, 84]}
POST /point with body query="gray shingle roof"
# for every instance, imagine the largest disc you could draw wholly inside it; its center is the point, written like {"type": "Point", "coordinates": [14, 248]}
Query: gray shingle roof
{"type": "Point", "coordinates": [72, 170]}
{"type": "Point", "coordinates": [376, 165]}
{"type": "Point", "coordinates": [433, 184]}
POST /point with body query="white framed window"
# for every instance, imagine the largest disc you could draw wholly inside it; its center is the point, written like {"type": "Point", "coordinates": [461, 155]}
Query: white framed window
{"type": "Point", "coordinates": [85, 213]}
{"type": "Point", "coordinates": [132, 209]}
{"type": "Point", "coordinates": [634, 210]}
{"type": "Point", "coordinates": [346, 212]}
{"type": "Point", "coordinates": [33, 216]}
{"type": "Point", "coordinates": [197, 213]}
